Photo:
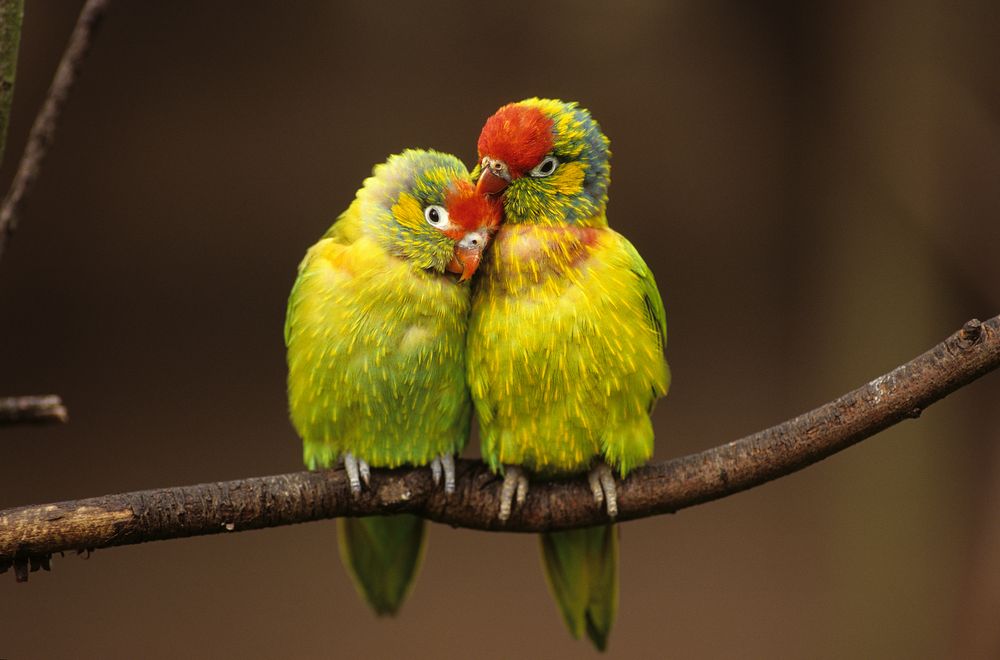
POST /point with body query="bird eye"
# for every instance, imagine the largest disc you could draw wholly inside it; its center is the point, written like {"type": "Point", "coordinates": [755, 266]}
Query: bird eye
{"type": "Point", "coordinates": [436, 216]}
{"type": "Point", "coordinates": [545, 168]}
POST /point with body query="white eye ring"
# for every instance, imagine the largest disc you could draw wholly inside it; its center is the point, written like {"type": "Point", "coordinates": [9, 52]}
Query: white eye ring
{"type": "Point", "coordinates": [436, 216]}
{"type": "Point", "coordinates": [545, 168]}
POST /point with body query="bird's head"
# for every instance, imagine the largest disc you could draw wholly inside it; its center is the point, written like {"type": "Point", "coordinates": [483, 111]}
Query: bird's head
{"type": "Point", "coordinates": [473, 220]}
{"type": "Point", "coordinates": [548, 160]}
{"type": "Point", "coordinates": [421, 206]}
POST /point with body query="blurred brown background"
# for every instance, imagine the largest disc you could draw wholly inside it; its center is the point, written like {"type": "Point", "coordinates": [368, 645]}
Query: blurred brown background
{"type": "Point", "coordinates": [815, 189]}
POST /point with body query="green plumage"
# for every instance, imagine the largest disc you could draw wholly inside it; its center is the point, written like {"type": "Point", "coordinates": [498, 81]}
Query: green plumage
{"type": "Point", "coordinates": [565, 350]}
{"type": "Point", "coordinates": [382, 555]}
{"type": "Point", "coordinates": [566, 339]}
{"type": "Point", "coordinates": [581, 566]}
{"type": "Point", "coordinates": [375, 332]}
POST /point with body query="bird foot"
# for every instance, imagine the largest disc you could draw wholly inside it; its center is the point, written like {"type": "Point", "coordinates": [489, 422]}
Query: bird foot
{"type": "Point", "coordinates": [515, 488]}
{"type": "Point", "coordinates": [444, 463]}
{"type": "Point", "coordinates": [602, 485]}
{"type": "Point", "coordinates": [358, 470]}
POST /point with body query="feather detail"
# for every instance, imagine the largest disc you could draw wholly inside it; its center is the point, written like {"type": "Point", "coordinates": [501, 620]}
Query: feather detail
{"type": "Point", "coordinates": [564, 356]}
{"type": "Point", "coordinates": [520, 135]}
{"type": "Point", "coordinates": [581, 568]}
{"type": "Point", "coordinates": [382, 555]}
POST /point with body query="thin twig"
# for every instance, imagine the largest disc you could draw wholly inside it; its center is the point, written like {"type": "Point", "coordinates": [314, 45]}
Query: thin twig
{"type": "Point", "coordinates": [29, 535]}
{"type": "Point", "coordinates": [11, 14]}
{"type": "Point", "coordinates": [33, 410]}
{"type": "Point", "coordinates": [43, 130]}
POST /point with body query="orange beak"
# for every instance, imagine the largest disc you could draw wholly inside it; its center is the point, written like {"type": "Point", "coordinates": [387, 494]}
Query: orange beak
{"type": "Point", "coordinates": [468, 253]}
{"type": "Point", "coordinates": [491, 183]}
{"type": "Point", "coordinates": [465, 262]}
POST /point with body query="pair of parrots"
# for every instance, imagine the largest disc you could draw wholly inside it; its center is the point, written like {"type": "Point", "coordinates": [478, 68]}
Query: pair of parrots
{"type": "Point", "coordinates": [556, 343]}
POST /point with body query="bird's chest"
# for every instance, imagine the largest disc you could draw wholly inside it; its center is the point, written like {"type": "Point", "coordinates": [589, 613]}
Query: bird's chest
{"type": "Point", "coordinates": [540, 298]}
{"type": "Point", "coordinates": [417, 321]}
{"type": "Point", "coordinates": [539, 261]}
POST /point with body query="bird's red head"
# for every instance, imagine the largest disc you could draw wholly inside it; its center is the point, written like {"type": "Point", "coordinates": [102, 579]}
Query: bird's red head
{"type": "Point", "coordinates": [512, 142]}
{"type": "Point", "coordinates": [473, 220]}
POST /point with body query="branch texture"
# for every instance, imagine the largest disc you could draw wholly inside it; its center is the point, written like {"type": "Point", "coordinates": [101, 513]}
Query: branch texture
{"type": "Point", "coordinates": [29, 535]}
{"type": "Point", "coordinates": [32, 409]}
{"type": "Point", "coordinates": [44, 129]}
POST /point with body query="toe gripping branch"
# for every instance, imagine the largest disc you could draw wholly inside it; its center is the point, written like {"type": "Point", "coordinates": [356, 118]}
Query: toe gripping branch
{"type": "Point", "coordinates": [515, 489]}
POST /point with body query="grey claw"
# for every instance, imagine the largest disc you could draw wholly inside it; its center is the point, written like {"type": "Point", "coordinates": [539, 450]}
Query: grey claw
{"type": "Point", "coordinates": [448, 463]}
{"type": "Point", "coordinates": [436, 470]}
{"type": "Point", "coordinates": [366, 471]}
{"type": "Point", "coordinates": [602, 485]}
{"type": "Point", "coordinates": [353, 476]}
{"type": "Point", "coordinates": [594, 479]}
{"type": "Point", "coordinates": [515, 486]}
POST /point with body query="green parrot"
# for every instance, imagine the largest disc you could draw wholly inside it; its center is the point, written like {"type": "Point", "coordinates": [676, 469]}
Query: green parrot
{"type": "Point", "coordinates": [375, 331]}
{"type": "Point", "coordinates": [566, 339]}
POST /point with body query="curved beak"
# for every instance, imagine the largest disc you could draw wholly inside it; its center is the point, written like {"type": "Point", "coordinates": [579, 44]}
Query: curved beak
{"type": "Point", "coordinates": [494, 179]}
{"type": "Point", "coordinates": [468, 253]}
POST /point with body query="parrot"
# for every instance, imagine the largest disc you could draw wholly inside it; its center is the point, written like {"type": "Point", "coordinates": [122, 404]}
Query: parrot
{"type": "Point", "coordinates": [566, 339]}
{"type": "Point", "coordinates": [375, 336]}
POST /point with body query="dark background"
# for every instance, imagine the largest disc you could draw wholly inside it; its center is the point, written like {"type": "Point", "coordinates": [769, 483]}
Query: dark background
{"type": "Point", "coordinates": [815, 190]}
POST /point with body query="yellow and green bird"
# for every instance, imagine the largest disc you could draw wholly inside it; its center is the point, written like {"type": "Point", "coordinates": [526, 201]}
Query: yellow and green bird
{"type": "Point", "coordinates": [375, 332]}
{"type": "Point", "coordinates": [566, 338]}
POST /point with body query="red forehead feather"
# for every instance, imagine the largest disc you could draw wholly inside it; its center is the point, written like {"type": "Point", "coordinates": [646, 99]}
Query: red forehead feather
{"type": "Point", "coordinates": [518, 135]}
{"type": "Point", "coordinates": [471, 211]}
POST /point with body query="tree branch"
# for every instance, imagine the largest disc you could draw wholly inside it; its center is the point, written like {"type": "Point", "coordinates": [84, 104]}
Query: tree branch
{"type": "Point", "coordinates": [32, 409]}
{"type": "Point", "coordinates": [29, 535]}
{"type": "Point", "coordinates": [17, 410]}
{"type": "Point", "coordinates": [11, 13]}
{"type": "Point", "coordinates": [43, 130]}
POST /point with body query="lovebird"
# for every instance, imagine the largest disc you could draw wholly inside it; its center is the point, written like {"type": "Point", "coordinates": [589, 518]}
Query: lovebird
{"type": "Point", "coordinates": [375, 331]}
{"type": "Point", "coordinates": [566, 339]}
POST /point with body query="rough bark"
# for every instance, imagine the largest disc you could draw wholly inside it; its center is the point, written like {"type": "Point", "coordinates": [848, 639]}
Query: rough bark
{"type": "Point", "coordinates": [29, 535]}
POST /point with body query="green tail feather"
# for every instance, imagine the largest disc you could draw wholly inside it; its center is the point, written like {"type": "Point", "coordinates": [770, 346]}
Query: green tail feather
{"type": "Point", "coordinates": [382, 554]}
{"type": "Point", "coordinates": [581, 566]}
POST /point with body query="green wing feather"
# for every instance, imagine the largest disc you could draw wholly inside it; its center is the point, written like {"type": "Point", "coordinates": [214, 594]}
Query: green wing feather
{"type": "Point", "coordinates": [647, 284]}
{"type": "Point", "coordinates": [345, 229]}
{"type": "Point", "coordinates": [655, 314]}
{"type": "Point", "coordinates": [581, 567]}
{"type": "Point", "coordinates": [382, 554]}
